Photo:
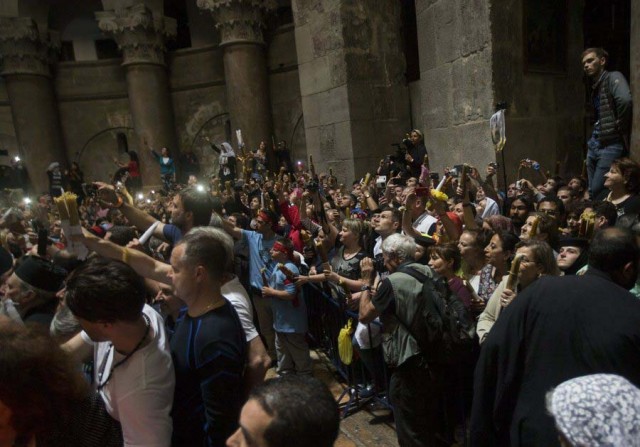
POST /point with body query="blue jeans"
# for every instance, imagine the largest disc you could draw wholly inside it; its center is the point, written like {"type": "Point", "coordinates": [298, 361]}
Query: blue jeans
{"type": "Point", "coordinates": [599, 159]}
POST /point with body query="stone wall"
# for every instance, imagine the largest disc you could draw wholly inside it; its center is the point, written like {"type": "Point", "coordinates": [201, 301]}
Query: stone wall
{"type": "Point", "coordinates": [92, 98]}
{"type": "Point", "coordinates": [635, 77]}
{"type": "Point", "coordinates": [457, 100]}
{"type": "Point", "coordinates": [378, 92]}
{"type": "Point", "coordinates": [199, 102]}
{"type": "Point", "coordinates": [546, 114]}
{"type": "Point", "coordinates": [471, 57]}
{"type": "Point", "coordinates": [286, 104]}
{"type": "Point", "coordinates": [319, 47]}
{"type": "Point", "coordinates": [354, 97]}
{"type": "Point", "coordinates": [8, 139]}
{"type": "Point", "coordinates": [94, 106]}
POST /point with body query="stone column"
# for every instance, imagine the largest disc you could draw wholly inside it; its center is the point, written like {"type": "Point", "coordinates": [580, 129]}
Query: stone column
{"type": "Point", "coordinates": [26, 55]}
{"type": "Point", "coordinates": [245, 67]}
{"type": "Point", "coordinates": [140, 34]}
{"type": "Point", "coordinates": [354, 94]}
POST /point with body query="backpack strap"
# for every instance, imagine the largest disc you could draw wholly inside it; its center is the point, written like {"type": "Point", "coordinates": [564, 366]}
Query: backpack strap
{"type": "Point", "coordinates": [426, 301]}
{"type": "Point", "coordinates": [422, 278]}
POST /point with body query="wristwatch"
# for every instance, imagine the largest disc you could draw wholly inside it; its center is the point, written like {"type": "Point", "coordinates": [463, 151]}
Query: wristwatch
{"type": "Point", "coordinates": [365, 287]}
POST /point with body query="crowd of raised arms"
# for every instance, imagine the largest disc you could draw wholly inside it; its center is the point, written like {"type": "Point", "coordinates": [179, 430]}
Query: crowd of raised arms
{"type": "Point", "coordinates": [207, 277]}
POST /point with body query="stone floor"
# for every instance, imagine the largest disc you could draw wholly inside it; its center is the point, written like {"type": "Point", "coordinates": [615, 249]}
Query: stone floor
{"type": "Point", "coordinates": [372, 425]}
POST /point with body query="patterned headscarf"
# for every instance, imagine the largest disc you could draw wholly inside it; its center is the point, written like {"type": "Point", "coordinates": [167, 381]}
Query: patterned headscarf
{"type": "Point", "coordinates": [597, 410]}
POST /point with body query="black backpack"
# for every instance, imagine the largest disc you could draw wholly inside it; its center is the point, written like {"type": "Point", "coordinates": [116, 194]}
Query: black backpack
{"type": "Point", "coordinates": [442, 326]}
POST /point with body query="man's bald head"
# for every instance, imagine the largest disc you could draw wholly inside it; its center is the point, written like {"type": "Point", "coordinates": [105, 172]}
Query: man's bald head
{"type": "Point", "coordinates": [615, 252]}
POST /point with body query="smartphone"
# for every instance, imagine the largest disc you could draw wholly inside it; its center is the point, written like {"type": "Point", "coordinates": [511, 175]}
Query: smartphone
{"type": "Point", "coordinates": [422, 191]}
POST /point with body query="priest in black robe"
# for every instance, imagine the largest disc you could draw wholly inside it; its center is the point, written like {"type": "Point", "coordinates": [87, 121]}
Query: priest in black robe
{"type": "Point", "coordinates": [557, 329]}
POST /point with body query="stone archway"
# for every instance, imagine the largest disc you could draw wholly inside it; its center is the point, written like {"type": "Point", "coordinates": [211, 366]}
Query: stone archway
{"type": "Point", "coordinates": [216, 130]}
{"type": "Point", "coordinates": [93, 157]}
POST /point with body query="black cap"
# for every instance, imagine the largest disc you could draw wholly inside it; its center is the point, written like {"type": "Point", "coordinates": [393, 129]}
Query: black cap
{"type": "Point", "coordinates": [41, 274]}
{"type": "Point", "coordinates": [579, 242]}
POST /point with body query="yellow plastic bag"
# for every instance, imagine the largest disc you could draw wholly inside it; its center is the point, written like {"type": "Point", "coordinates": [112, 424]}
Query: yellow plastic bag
{"type": "Point", "coordinates": [345, 348]}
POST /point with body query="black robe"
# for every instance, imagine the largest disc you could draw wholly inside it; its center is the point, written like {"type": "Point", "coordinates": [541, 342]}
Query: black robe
{"type": "Point", "coordinates": [557, 329]}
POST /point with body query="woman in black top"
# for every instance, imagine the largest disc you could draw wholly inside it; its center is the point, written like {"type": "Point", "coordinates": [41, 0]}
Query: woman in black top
{"type": "Point", "coordinates": [416, 150]}
{"type": "Point", "coordinates": [623, 183]}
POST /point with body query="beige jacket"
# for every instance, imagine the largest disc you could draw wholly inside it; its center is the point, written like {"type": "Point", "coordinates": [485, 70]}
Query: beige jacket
{"type": "Point", "coordinates": [491, 312]}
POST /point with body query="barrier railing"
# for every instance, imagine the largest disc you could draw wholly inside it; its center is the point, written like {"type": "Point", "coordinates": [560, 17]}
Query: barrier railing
{"type": "Point", "coordinates": [365, 384]}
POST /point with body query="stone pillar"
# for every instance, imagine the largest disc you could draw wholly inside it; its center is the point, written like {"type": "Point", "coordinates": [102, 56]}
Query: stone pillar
{"type": "Point", "coordinates": [354, 93]}
{"type": "Point", "coordinates": [245, 67]}
{"type": "Point", "coordinates": [634, 35]}
{"type": "Point", "coordinates": [140, 34]}
{"type": "Point", "coordinates": [26, 56]}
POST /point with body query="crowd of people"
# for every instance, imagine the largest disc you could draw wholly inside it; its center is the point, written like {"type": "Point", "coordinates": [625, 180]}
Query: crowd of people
{"type": "Point", "coordinates": [489, 307]}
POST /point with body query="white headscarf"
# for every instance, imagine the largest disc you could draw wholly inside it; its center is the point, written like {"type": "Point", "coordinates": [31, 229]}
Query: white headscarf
{"type": "Point", "coordinates": [597, 410]}
{"type": "Point", "coordinates": [227, 150]}
{"type": "Point", "coordinates": [491, 208]}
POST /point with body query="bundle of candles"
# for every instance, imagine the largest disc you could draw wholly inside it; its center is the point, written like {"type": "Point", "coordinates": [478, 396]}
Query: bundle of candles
{"type": "Point", "coordinates": [70, 222]}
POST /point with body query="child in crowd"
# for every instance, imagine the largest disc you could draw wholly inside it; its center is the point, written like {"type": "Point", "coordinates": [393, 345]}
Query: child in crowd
{"type": "Point", "coordinates": [289, 312]}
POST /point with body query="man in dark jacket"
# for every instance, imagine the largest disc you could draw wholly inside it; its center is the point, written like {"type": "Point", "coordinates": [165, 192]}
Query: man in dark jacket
{"type": "Point", "coordinates": [612, 105]}
{"type": "Point", "coordinates": [557, 329]}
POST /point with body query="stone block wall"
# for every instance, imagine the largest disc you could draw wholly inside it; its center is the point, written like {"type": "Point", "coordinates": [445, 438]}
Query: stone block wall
{"type": "Point", "coordinates": [471, 57]}
{"type": "Point", "coordinates": [377, 89]}
{"type": "Point", "coordinates": [635, 77]}
{"type": "Point", "coordinates": [546, 114]}
{"type": "Point", "coordinates": [92, 98]}
{"type": "Point", "coordinates": [94, 107]}
{"type": "Point", "coordinates": [456, 79]}
{"type": "Point", "coordinates": [284, 86]}
{"type": "Point", "coordinates": [322, 78]}
{"type": "Point", "coordinates": [199, 102]}
{"type": "Point", "coordinates": [8, 139]}
{"type": "Point", "coordinates": [354, 96]}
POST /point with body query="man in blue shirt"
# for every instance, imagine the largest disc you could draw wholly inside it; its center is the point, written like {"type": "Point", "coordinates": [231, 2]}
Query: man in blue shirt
{"type": "Point", "coordinates": [189, 208]}
{"type": "Point", "coordinates": [208, 345]}
{"type": "Point", "coordinates": [260, 243]}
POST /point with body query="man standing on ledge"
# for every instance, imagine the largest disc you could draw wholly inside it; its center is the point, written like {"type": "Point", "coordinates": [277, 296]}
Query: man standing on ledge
{"type": "Point", "coordinates": [611, 99]}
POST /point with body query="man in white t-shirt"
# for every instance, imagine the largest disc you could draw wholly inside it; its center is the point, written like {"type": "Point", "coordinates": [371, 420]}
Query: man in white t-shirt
{"type": "Point", "coordinates": [258, 361]}
{"type": "Point", "coordinates": [415, 219]}
{"type": "Point", "coordinates": [133, 370]}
